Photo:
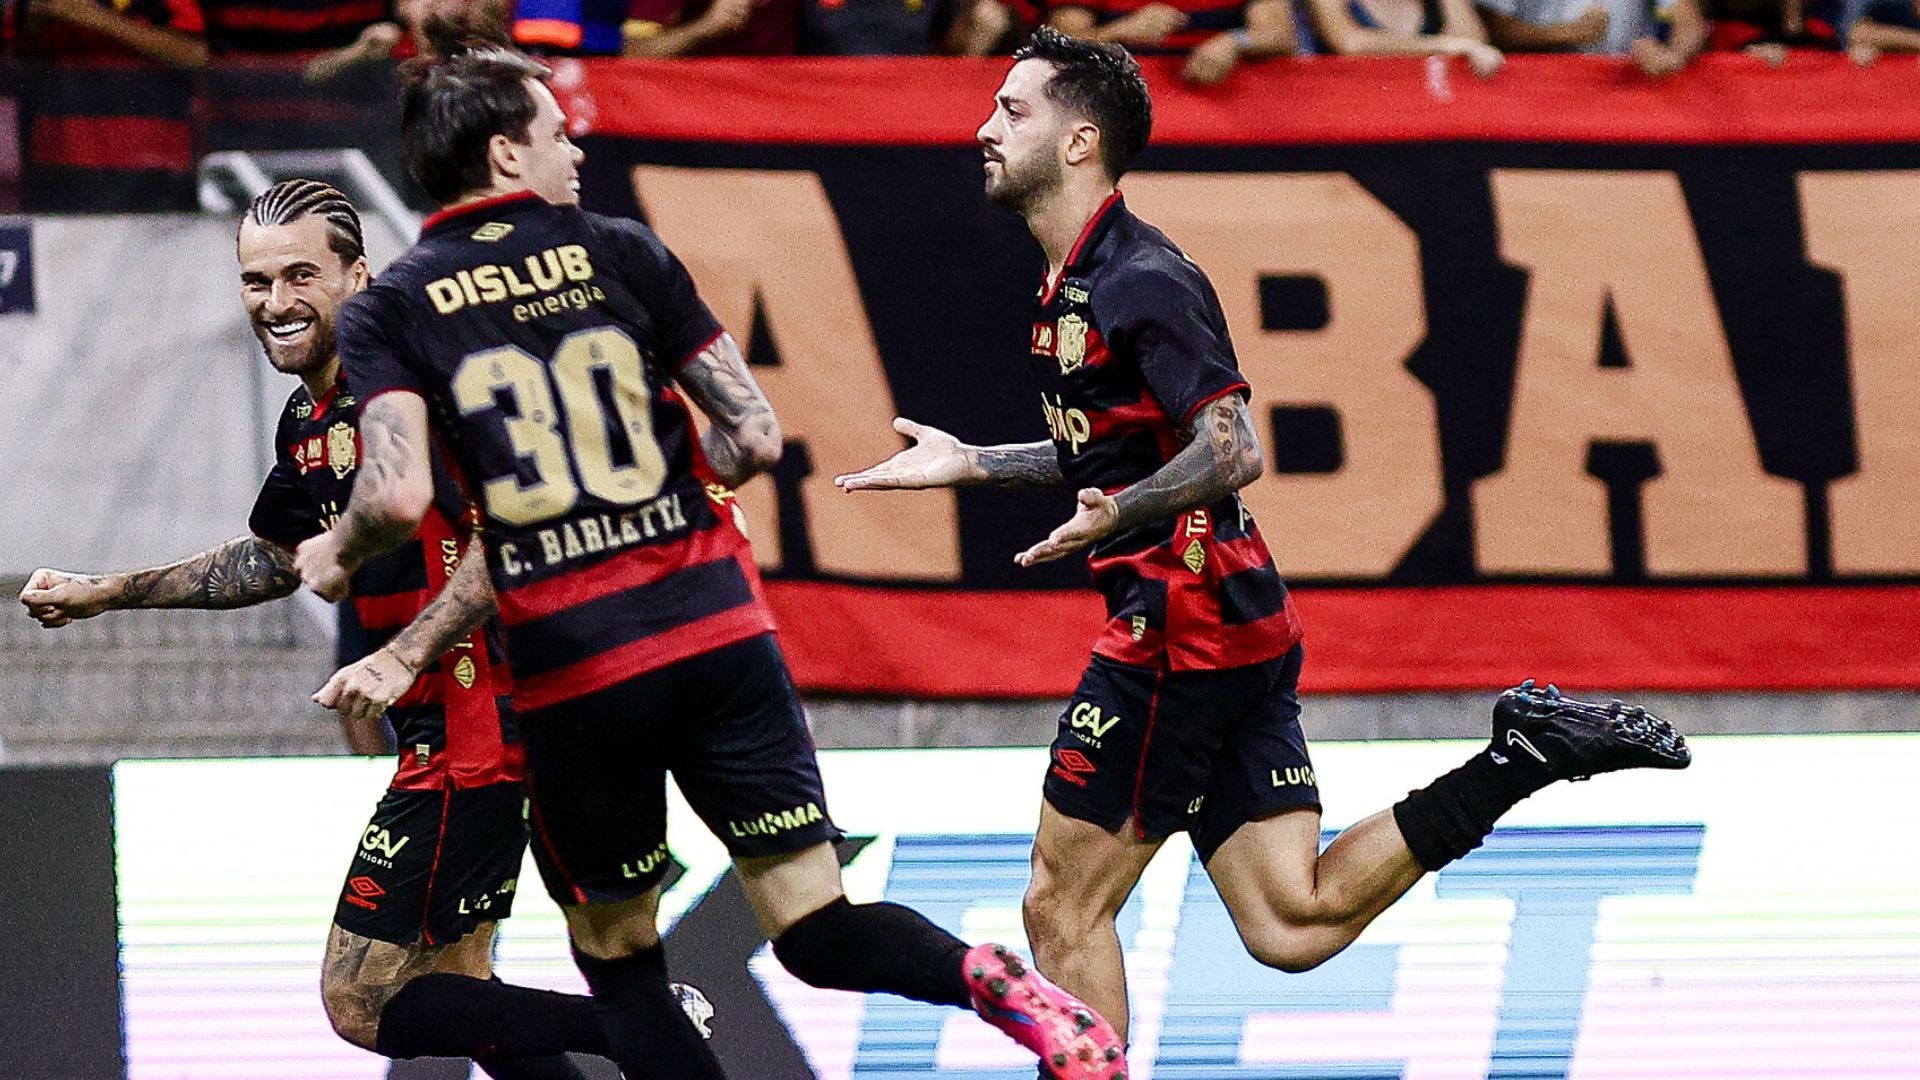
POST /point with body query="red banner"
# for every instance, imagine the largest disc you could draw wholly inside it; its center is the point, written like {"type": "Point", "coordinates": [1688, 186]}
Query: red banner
{"type": "Point", "coordinates": [1723, 98]}
{"type": "Point", "coordinates": [1564, 374]}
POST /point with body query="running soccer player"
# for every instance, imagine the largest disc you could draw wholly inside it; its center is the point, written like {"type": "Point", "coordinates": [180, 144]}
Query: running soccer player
{"type": "Point", "coordinates": [555, 351]}
{"type": "Point", "coordinates": [409, 956]}
{"type": "Point", "coordinates": [1187, 717]}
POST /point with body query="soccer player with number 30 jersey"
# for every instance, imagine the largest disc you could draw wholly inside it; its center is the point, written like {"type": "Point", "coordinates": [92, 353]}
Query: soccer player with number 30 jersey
{"type": "Point", "coordinates": [556, 352]}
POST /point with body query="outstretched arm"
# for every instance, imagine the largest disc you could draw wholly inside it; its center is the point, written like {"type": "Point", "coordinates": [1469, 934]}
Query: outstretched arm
{"type": "Point", "coordinates": [390, 496]}
{"type": "Point", "coordinates": [364, 690]}
{"type": "Point", "coordinates": [744, 438]}
{"type": "Point", "coordinates": [243, 571]}
{"type": "Point", "coordinates": [937, 459]}
{"type": "Point", "coordinates": [1221, 457]}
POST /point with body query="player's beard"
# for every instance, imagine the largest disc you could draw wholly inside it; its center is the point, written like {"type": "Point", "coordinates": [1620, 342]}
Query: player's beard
{"type": "Point", "coordinates": [1021, 189]}
{"type": "Point", "coordinates": [299, 359]}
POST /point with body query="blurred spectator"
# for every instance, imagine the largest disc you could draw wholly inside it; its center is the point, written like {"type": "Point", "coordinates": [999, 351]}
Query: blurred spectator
{"type": "Point", "coordinates": [1868, 28]}
{"type": "Point", "coordinates": [658, 28]}
{"type": "Point", "coordinates": [1214, 35]}
{"type": "Point", "coordinates": [1405, 28]}
{"type": "Point", "coordinates": [712, 28]}
{"type": "Point", "coordinates": [406, 36]}
{"type": "Point", "coordinates": [1588, 26]}
{"type": "Point", "coordinates": [287, 26]}
{"type": "Point", "coordinates": [1683, 29]}
{"type": "Point", "coordinates": [166, 31]}
{"type": "Point", "coordinates": [903, 27]}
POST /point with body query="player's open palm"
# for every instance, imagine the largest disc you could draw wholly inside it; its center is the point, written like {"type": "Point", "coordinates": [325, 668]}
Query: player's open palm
{"type": "Point", "coordinates": [1096, 516]}
{"type": "Point", "coordinates": [936, 459]}
{"type": "Point", "coordinates": [56, 598]}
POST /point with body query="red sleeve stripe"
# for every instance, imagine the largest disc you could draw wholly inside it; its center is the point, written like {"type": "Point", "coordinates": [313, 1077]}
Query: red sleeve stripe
{"type": "Point", "coordinates": [697, 350]}
{"type": "Point", "coordinates": [1236, 388]}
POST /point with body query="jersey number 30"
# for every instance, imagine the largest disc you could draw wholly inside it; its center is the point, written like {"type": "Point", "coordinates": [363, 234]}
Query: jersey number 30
{"type": "Point", "coordinates": [603, 410]}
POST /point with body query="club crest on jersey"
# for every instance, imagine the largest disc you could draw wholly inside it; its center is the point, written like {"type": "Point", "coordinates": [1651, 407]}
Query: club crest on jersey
{"type": "Point", "coordinates": [342, 454]}
{"type": "Point", "coordinates": [1070, 335]}
{"type": "Point", "coordinates": [1195, 557]}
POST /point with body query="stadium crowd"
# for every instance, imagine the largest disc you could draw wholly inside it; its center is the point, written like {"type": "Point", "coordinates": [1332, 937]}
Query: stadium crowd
{"type": "Point", "coordinates": [334, 37]}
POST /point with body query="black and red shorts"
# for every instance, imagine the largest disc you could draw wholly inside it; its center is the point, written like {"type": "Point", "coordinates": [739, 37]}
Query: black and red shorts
{"type": "Point", "coordinates": [1200, 752]}
{"type": "Point", "coordinates": [434, 864]}
{"type": "Point", "coordinates": [727, 724]}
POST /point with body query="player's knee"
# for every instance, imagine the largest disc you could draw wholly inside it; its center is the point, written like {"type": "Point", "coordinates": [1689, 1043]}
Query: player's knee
{"type": "Point", "coordinates": [1286, 949]}
{"type": "Point", "coordinates": [353, 1009]}
{"type": "Point", "coordinates": [614, 942]}
{"type": "Point", "coordinates": [1055, 914]}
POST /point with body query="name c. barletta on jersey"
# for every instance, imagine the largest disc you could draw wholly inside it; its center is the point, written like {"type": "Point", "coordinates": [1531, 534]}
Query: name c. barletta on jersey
{"type": "Point", "coordinates": [544, 272]}
{"type": "Point", "coordinates": [593, 535]}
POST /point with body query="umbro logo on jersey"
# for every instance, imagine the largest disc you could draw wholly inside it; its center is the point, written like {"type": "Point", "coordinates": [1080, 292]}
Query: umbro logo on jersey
{"type": "Point", "coordinates": [1514, 738]}
{"type": "Point", "coordinates": [492, 232]}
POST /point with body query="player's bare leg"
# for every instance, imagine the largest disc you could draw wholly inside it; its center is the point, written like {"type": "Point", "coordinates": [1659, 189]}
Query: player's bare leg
{"type": "Point", "coordinates": [1082, 876]}
{"type": "Point", "coordinates": [828, 942]}
{"type": "Point", "coordinates": [610, 931]}
{"type": "Point", "coordinates": [362, 975]}
{"type": "Point", "coordinates": [1296, 906]}
{"type": "Point", "coordinates": [440, 1001]}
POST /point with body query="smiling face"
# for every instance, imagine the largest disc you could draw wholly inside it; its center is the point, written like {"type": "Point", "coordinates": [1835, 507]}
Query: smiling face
{"type": "Point", "coordinates": [548, 163]}
{"type": "Point", "coordinates": [293, 284]}
{"type": "Point", "coordinates": [1025, 140]}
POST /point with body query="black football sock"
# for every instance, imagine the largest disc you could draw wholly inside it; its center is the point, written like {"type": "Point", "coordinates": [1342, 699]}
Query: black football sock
{"type": "Point", "coordinates": [446, 1015]}
{"type": "Point", "coordinates": [1453, 815]}
{"type": "Point", "coordinates": [546, 1068]}
{"type": "Point", "coordinates": [873, 948]}
{"type": "Point", "coordinates": [648, 1034]}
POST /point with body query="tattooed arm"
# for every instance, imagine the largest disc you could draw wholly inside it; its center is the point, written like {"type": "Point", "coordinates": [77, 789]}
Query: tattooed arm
{"type": "Point", "coordinates": [743, 439]}
{"type": "Point", "coordinates": [390, 496]}
{"type": "Point", "coordinates": [1221, 457]}
{"type": "Point", "coordinates": [937, 459]}
{"type": "Point", "coordinates": [245, 570]}
{"type": "Point", "coordinates": [366, 689]}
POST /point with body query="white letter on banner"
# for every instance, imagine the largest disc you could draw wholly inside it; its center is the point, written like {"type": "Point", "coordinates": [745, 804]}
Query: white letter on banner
{"type": "Point", "coordinates": [748, 234]}
{"type": "Point", "coordinates": [1865, 226]}
{"type": "Point", "coordinates": [1360, 520]}
{"type": "Point", "coordinates": [1585, 237]}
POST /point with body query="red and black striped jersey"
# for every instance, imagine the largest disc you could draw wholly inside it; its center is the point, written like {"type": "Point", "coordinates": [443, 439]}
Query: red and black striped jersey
{"type": "Point", "coordinates": [454, 728]}
{"type": "Point", "coordinates": [1205, 19]}
{"type": "Point", "coordinates": [1129, 345]}
{"type": "Point", "coordinates": [545, 340]}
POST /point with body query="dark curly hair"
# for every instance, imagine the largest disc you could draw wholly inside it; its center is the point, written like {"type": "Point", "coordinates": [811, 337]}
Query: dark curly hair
{"type": "Point", "coordinates": [1102, 82]}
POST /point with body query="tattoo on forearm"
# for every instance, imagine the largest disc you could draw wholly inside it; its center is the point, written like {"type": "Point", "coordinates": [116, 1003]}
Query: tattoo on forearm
{"type": "Point", "coordinates": [744, 438]}
{"type": "Point", "coordinates": [244, 570]}
{"type": "Point", "coordinates": [1019, 464]}
{"type": "Point", "coordinates": [465, 602]}
{"type": "Point", "coordinates": [1222, 456]}
{"type": "Point", "coordinates": [388, 455]}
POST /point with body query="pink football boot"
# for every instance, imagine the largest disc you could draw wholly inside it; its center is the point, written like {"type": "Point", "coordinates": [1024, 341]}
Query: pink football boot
{"type": "Point", "coordinates": [1073, 1041]}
